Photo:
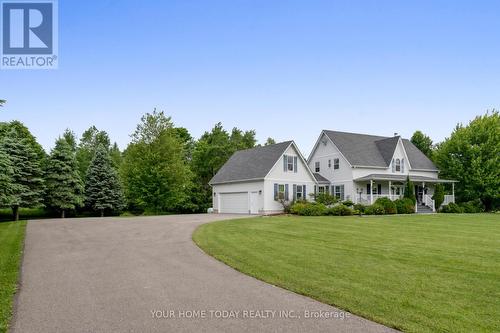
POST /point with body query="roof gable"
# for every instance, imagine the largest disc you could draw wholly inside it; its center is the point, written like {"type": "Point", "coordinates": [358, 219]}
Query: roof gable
{"type": "Point", "coordinates": [254, 163]}
{"type": "Point", "coordinates": [377, 151]}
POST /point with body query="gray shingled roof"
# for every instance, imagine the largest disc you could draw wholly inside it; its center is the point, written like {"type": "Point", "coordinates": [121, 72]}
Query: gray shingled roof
{"type": "Point", "coordinates": [377, 151]}
{"type": "Point", "coordinates": [252, 163]}
{"type": "Point", "coordinates": [320, 179]}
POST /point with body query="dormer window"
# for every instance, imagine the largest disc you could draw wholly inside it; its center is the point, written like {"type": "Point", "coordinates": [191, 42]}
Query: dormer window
{"type": "Point", "coordinates": [398, 165]}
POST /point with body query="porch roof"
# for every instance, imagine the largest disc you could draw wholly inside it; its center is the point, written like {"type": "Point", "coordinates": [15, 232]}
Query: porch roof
{"type": "Point", "coordinates": [320, 179]}
{"type": "Point", "coordinates": [402, 178]}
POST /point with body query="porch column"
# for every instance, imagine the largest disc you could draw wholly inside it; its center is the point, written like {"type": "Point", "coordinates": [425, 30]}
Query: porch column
{"type": "Point", "coordinates": [453, 191]}
{"type": "Point", "coordinates": [371, 191]}
{"type": "Point", "coordinates": [390, 193]}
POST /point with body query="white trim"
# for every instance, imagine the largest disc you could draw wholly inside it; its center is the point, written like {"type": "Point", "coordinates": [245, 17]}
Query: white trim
{"type": "Point", "coordinates": [237, 181]}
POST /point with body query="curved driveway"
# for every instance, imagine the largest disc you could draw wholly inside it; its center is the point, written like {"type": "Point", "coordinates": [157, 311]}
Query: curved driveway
{"type": "Point", "coordinates": [146, 275]}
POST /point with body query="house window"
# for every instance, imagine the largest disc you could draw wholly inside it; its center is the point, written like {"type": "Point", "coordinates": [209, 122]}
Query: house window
{"type": "Point", "coordinates": [316, 166]}
{"type": "Point", "coordinates": [336, 164]}
{"type": "Point", "coordinates": [299, 195]}
{"type": "Point", "coordinates": [281, 191]}
{"type": "Point", "coordinates": [398, 165]}
{"type": "Point", "coordinates": [339, 192]}
{"type": "Point", "coordinates": [321, 189]}
{"type": "Point", "coordinates": [290, 163]}
{"type": "Point", "coordinates": [329, 163]}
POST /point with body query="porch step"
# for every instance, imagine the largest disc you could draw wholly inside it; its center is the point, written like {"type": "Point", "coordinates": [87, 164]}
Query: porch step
{"type": "Point", "coordinates": [422, 209]}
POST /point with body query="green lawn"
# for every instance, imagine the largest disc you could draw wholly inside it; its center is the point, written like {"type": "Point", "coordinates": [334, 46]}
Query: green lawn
{"type": "Point", "coordinates": [416, 273]}
{"type": "Point", "coordinates": [11, 246]}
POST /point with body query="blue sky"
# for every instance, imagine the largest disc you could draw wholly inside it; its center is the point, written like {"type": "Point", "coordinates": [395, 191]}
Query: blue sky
{"type": "Point", "coordinates": [284, 68]}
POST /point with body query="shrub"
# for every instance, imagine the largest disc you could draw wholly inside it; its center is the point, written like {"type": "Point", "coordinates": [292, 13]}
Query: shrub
{"type": "Point", "coordinates": [452, 208]}
{"type": "Point", "coordinates": [360, 207]}
{"type": "Point", "coordinates": [348, 203]}
{"type": "Point", "coordinates": [388, 204]}
{"type": "Point", "coordinates": [339, 210]}
{"type": "Point", "coordinates": [405, 206]}
{"type": "Point", "coordinates": [308, 208]}
{"type": "Point", "coordinates": [374, 209]}
{"type": "Point", "coordinates": [474, 206]}
{"type": "Point", "coordinates": [326, 199]}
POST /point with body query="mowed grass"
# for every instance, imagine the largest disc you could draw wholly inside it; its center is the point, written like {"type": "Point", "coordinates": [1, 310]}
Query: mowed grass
{"type": "Point", "coordinates": [11, 246]}
{"type": "Point", "coordinates": [416, 273]}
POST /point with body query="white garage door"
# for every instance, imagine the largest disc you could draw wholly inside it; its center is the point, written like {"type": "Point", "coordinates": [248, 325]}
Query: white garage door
{"type": "Point", "coordinates": [234, 203]}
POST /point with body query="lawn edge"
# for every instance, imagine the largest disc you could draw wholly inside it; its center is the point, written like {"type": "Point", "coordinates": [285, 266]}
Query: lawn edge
{"type": "Point", "coordinates": [15, 297]}
{"type": "Point", "coordinates": [394, 327]}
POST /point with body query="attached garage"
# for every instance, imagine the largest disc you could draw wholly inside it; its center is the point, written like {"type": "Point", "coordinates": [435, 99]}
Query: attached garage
{"type": "Point", "coordinates": [234, 203]}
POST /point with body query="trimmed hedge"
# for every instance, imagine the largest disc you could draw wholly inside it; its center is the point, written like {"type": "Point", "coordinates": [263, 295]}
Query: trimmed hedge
{"type": "Point", "coordinates": [308, 209]}
{"type": "Point", "coordinates": [339, 210]}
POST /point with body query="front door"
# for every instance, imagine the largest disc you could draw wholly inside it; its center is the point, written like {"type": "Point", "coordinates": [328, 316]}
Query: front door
{"type": "Point", "coordinates": [419, 193]}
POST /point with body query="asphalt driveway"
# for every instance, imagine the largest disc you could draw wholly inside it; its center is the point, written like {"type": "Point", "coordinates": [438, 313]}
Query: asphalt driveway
{"type": "Point", "coordinates": [145, 274]}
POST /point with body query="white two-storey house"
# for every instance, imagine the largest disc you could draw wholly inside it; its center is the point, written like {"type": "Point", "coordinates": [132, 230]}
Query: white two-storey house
{"type": "Point", "coordinates": [363, 168]}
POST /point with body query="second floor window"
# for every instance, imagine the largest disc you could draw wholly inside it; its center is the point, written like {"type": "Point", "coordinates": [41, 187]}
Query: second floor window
{"type": "Point", "coordinates": [398, 165]}
{"type": "Point", "coordinates": [316, 167]}
{"type": "Point", "coordinates": [290, 163]}
{"type": "Point", "coordinates": [336, 164]}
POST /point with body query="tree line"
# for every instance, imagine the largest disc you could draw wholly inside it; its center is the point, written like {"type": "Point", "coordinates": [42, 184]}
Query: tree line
{"type": "Point", "coordinates": [164, 169]}
{"type": "Point", "coordinates": [471, 155]}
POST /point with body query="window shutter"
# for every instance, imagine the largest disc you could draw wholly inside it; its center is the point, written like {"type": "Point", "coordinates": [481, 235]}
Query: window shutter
{"type": "Point", "coordinates": [342, 192]}
{"type": "Point", "coordinates": [393, 165]}
{"type": "Point", "coordinates": [304, 194]}
{"type": "Point", "coordinates": [275, 191]}
{"type": "Point", "coordinates": [294, 191]}
{"type": "Point", "coordinates": [402, 165]}
{"type": "Point", "coordinates": [315, 191]}
{"type": "Point", "coordinates": [379, 188]}
{"type": "Point", "coordinates": [286, 192]}
{"type": "Point", "coordinates": [332, 190]}
{"type": "Point", "coordinates": [285, 160]}
{"type": "Point", "coordinates": [295, 164]}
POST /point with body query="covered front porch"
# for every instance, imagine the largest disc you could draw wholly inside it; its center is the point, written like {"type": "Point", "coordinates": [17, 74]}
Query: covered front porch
{"type": "Point", "coordinates": [371, 187]}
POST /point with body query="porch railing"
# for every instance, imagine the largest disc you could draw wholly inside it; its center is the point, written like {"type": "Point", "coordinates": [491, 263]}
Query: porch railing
{"type": "Point", "coordinates": [365, 198]}
{"type": "Point", "coordinates": [427, 199]}
{"type": "Point", "coordinates": [449, 198]}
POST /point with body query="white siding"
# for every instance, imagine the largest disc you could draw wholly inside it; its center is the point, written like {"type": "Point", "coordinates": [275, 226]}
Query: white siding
{"type": "Point", "coordinates": [277, 175]}
{"type": "Point", "coordinates": [341, 176]}
{"type": "Point", "coordinates": [238, 187]}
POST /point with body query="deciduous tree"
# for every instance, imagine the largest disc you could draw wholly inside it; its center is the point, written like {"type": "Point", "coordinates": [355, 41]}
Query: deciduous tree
{"type": "Point", "coordinates": [423, 142]}
{"type": "Point", "coordinates": [154, 169]}
{"type": "Point", "coordinates": [471, 155]}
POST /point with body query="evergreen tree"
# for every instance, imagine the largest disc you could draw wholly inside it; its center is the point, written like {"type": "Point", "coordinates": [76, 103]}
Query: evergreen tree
{"type": "Point", "coordinates": [409, 191]}
{"type": "Point", "coordinates": [28, 184]}
{"type": "Point", "coordinates": [90, 140]}
{"type": "Point", "coordinates": [6, 179]}
{"type": "Point", "coordinates": [63, 182]}
{"type": "Point", "coordinates": [102, 187]}
{"type": "Point", "coordinates": [438, 196]}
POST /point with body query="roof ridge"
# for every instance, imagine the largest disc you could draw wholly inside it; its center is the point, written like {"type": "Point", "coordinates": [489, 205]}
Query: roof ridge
{"type": "Point", "coordinates": [371, 135]}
